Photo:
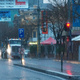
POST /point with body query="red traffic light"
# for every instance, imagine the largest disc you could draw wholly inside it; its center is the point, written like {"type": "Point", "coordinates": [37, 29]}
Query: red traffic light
{"type": "Point", "coordinates": [67, 39]}
{"type": "Point", "coordinates": [67, 25]}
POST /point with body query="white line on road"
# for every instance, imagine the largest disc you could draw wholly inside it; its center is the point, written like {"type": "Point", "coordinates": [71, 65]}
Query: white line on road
{"type": "Point", "coordinates": [59, 72]}
{"type": "Point", "coordinates": [37, 72]}
{"type": "Point", "coordinates": [51, 71]}
{"type": "Point", "coordinates": [49, 75]}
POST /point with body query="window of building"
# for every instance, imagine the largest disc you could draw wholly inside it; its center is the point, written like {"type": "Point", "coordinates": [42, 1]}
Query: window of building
{"type": "Point", "coordinates": [76, 1]}
{"type": "Point", "coordinates": [34, 34]}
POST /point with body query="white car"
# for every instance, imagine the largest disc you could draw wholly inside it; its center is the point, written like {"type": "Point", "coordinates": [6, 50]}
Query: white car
{"type": "Point", "coordinates": [26, 52]}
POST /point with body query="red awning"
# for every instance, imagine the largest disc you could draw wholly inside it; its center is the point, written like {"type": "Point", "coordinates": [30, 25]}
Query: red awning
{"type": "Point", "coordinates": [49, 41]}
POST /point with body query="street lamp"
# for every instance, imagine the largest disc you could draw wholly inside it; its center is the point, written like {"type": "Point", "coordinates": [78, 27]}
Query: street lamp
{"type": "Point", "coordinates": [38, 31]}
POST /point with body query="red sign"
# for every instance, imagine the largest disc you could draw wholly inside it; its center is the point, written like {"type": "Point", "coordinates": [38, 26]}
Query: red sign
{"type": "Point", "coordinates": [20, 3]}
{"type": "Point", "coordinates": [12, 4]}
{"type": "Point", "coordinates": [44, 22]}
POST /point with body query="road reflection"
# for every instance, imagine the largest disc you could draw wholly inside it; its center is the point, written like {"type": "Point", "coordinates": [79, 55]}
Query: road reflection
{"type": "Point", "coordinates": [9, 60]}
{"type": "Point", "coordinates": [69, 72]}
{"type": "Point", "coordinates": [0, 54]}
{"type": "Point", "coordinates": [68, 69]}
{"type": "Point", "coordinates": [23, 61]}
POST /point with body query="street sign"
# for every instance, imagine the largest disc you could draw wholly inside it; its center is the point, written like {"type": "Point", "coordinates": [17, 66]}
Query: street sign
{"type": "Point", "coordinates": [44, 22]}
{"type": "Point", "coordinates": [5, 15]}
{"type": "Point", "coordinates": [21, 33]}
{"type": "Point", "coordinates": [76, 13]}
{"type": "Point", "coordinates": [11, 4]}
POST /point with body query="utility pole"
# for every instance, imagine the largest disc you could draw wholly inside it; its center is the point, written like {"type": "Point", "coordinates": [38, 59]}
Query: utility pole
{"type": "Point", "coordinates": [68, 10]}
{"type": "Point", "coordinates": [69, 32]}
{"type": "Point", "coordinates": [67, 25]}
{"type": "Point", "coordinates": [38, 31]}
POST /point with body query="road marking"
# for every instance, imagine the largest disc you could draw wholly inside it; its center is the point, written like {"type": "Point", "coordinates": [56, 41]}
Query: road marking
{"type": "Point", "coordinates": [48, 75]}
{"type": "Point", "coordinates": [53, 76]}
{"type": "Point", "coordinates": [59, 72]}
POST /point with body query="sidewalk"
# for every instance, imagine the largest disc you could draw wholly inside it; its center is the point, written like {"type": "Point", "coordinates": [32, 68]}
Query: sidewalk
{"type": "Point", "coordinates": [70, 68]}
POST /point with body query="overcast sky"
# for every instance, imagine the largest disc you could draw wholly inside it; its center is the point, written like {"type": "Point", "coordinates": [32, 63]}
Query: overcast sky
{"type": "Point", "coordinates": [45, 1]}
{"type": "Point", "coordinates": [58, 1]}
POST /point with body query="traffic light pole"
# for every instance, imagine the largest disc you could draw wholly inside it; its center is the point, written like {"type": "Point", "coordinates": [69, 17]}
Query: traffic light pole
{"type": "Point", "coordinates": [38, 32]}
{"type": "Point", "coordinates": [21, 48]}
{"type": "Point", "coordinates": [69, 32]}
{"type": "Point", "coordinates": [69, 10]}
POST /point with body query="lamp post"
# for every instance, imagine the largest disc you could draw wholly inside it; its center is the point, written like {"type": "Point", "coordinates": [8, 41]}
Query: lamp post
{"type": "Point", "coordinates": [38, 31]}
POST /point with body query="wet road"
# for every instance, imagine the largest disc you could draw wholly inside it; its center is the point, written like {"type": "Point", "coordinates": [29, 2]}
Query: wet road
{"type": "Point", "coordinates": [8, 71]}
{"type": "Point", "coordinates": [47, 64]}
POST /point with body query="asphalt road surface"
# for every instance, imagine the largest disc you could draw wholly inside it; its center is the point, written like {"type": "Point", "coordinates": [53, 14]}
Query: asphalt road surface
{"type": "Point", "coordinates": [8, 71]}
{"type": "Point", "coordinates": [68, 68]}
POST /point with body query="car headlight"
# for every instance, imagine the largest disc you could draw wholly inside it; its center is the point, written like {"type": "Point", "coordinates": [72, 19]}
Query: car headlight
{"type": "Point", "coordinates": [9, 49]}
{"type": "Point", "coordinates": [0, 53]}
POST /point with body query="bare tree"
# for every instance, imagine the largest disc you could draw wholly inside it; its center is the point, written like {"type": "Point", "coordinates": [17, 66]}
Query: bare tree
{"type": "Point", "coordinates": [58, 16]}
{"type": "Point", "coordinates": [25, 20]}
{"type": "Point", "coordinates": [3, 30]}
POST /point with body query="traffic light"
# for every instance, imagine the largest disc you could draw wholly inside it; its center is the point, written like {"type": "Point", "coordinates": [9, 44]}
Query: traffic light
{"type": "Point", "coordinates": [67, 26]}
{"type": "Point", "coordinates": [44, 22]}
{"type": "Point", "coordinates": [68, 38]}
{"type": "Point", "coordinates": [44, 29]}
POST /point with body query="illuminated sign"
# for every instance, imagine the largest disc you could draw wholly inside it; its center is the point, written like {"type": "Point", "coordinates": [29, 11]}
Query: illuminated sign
{"type": "Point", "coordinates": [32, 43]}
{"type": "Point", "coordinates": [12, 4]}
{"type": "Point", "coordinates": [5, 15]}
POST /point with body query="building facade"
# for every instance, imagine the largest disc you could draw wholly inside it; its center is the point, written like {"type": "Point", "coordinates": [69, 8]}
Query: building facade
{"type": "Point", "coordinates": [43, 6]}
{"type": "Point", "coordinates": [31, 15]}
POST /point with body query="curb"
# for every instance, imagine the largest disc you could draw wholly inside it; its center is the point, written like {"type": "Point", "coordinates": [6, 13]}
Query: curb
{"type": "Point", "coordinates": [59, 74]}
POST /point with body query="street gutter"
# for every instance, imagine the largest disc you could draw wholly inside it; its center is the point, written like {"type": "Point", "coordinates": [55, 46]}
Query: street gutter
{"type": "Point", "coordinates": [55, 73]}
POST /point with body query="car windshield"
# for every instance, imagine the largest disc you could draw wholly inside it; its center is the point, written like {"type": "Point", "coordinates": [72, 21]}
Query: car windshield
{"type": "Point", "coordinates": [27, 50]}
{"type": "Point", "coordinates": [15, 41]}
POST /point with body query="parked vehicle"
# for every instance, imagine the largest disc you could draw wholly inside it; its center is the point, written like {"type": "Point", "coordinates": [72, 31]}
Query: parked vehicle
{"type": "Point", "coordinates": [26, 53]}
{"type": "Point", "coordinates": [13, 48]}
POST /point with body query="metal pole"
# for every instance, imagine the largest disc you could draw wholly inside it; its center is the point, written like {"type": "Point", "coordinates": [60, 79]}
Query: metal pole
{"type": "Point", "coordinates": [68, 10]}
{"type": "Point", "coordinates": [21, 50]}
{"type": "Point", "coordinates": [38, 31]}
{"type": "Point", "coordinates": [69, 32]}
{"type": "Point", "coordinates": [62, 62]}
{"type": "Point", "coordinates": [18, 36]}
